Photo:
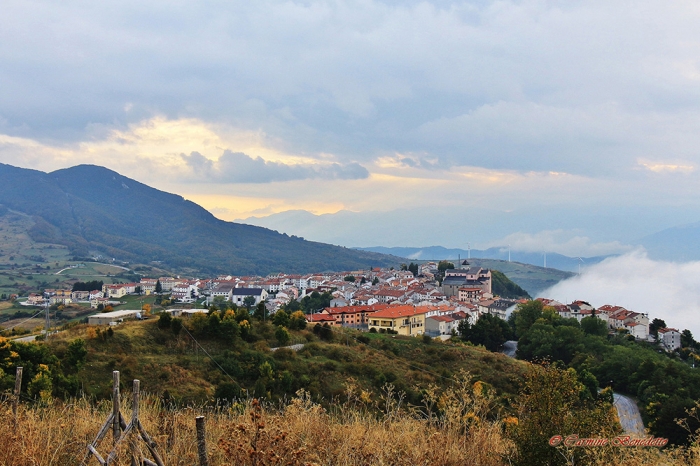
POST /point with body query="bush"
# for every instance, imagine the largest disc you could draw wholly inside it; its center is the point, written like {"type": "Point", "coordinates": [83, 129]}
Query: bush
{"type": "Point", "coordinates": [176, 326]}
{"type": "Point", "coordinates": [164, 320]}
{"type": "Point", "coordinates": [282, 335]}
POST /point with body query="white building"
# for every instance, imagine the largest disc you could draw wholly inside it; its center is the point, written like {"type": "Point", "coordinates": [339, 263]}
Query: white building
{"type": "Point", "coordinates": [670, 338]}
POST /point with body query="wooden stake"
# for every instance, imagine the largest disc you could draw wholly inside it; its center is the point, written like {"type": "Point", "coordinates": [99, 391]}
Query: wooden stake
{"type": "Point", "coordinates": [135, 460]}
{"type": "Point", "coordinates": [18, 388]}
{"type": "Point", "coordinates": [116, 427]}
{"type": "Point", "coordinates": [201, 442]}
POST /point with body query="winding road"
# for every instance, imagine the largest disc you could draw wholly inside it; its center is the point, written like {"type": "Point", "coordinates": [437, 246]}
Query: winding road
{"type": "Point", "coordinates": [627, 410]}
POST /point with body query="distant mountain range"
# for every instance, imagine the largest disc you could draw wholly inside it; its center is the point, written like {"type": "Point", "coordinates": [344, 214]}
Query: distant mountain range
{"type": "Point", "coordinates": [681, 243]}
{"type": "Point", "coordinates": [436, 253]}
{"type": "Point", "coordinates": [93, 210]}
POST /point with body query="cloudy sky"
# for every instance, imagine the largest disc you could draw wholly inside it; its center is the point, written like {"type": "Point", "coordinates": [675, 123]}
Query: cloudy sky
{"type": "Point", "coordinates": [570, 126]}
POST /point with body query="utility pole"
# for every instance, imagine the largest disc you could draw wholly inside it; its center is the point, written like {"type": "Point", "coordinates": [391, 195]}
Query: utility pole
{"type": "Point", "coordinates": [47, 319]}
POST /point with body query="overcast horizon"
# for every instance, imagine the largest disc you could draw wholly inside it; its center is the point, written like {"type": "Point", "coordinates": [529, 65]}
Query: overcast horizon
{"type": "Point", "coordinates": [561, 126]}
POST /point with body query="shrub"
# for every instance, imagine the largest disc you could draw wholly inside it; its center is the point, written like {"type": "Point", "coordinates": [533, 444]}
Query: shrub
{"type": "Point", "coordinates": [164, 320]}
{"type": "Point", "coordinates": [282, 335]}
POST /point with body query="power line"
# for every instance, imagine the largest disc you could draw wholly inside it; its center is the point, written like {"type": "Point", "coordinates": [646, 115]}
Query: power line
{"type": "Point", "coordinates": [26, 320]}
{"type": "Point", "coordinates": [209, 355]}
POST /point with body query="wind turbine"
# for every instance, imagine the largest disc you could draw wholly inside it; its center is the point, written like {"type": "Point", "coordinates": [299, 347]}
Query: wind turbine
{"type": "Point", "coordinates": [545, 259]}
{"type": "Point", "coordinates": [469, 251]}
{"type": "Point", "coordinates": [509, 253]}
{"type": "Point", "coordinates": [580, 259]}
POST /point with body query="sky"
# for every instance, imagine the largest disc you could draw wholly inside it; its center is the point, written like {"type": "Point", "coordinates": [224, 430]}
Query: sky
{"type": "Point", "coordinates": [568, 126]}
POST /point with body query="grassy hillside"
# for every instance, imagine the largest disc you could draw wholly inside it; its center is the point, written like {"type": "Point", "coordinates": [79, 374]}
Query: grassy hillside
{"type": "Point", "coordinates": [350, 400]}
{"type": "Point", "coordinates": [163, 360]}
{"type": "Point", "coordinates": [91, 209]}
{"type": "Point", "coordinates": [505, 287]}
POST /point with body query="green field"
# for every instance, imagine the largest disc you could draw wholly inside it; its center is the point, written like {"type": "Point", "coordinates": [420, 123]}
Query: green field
{"type": "Point", "coordinates": [27, 266]}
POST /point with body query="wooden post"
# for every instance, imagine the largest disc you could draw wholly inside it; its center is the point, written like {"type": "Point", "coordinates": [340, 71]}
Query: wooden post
{"type": "Point", "coordinates": [116, 427]}
{"type": "Point", "coordinates": [201, 442]}
{"type": "Point", "coordinates": [135, 460]}
{"type": "Point", "coordinates": [18, 388]}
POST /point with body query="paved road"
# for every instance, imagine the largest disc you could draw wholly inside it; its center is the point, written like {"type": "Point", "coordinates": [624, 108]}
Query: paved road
{"type": "Point", "coordinates": [292, 347]}
{"type": "Point", "coordinates": [26, 339]}
{"type": "Point", "coordinates": [510, 347]}
{"type": "Point", "coordinates": [627, 411]}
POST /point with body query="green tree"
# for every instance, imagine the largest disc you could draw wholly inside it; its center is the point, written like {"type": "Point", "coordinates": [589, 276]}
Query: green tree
{"type": "Point", "coordinates": [555, 402]}
{"type": "Point", "coordinates": [248, 302]}
{"type": "Point", "coordinates": [349, 278]}
{"type": "Point", "coordinates": [282, 335]}
{"type": "Point", "coordinates": [229, 391]}
{"type": "Point", "coordinates": [164, 320]}
{"type": "Point", "coordinates": [687, 340]}
{"type": "Point", "coordinates": [280, 318]}
{"type": "Point", "coordinates": [445, 265]}
{"type": "Point", "coordinates": [76, 354]}
{"type": "Point", "coordinates": [489, 331]}
{"type": "Point", "coordinates": [220, 302]}
{"type": "Point", "coordinates": [242, 314]}
{"type": "Point", "coordinates": [176, 325]}
{"type": "Point", "coordinates": [261, 311]}
{"type": "Point", "coordinates": [655, 325]}
{"type": "Point", "coordinates": [526, 314]}
{"type": "Point", "coordinates": [594, 326]}
{"type": "Point", "coordinates": [229, 329]}
{"type": "Point", "coordinates": [297, 321]}
{"type": "Point", "coordinates": [558, 343]}
{"type": "Point", "coordinates": [159, 287]}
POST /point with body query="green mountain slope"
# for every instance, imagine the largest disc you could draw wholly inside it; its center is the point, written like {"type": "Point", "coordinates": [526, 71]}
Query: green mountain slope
{"type": "Point", "coordinates": [531, 278]}
{"type": "Point", "coordinates": [506, 288]}
{"type": "Point", "coordinates": [93, 209]}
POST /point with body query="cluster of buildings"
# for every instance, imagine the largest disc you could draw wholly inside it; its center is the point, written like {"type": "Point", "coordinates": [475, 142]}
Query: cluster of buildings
{"type": "Point", "coordinates": [382, 300]}
{"type": "Point", "coordinates": [618, 318]}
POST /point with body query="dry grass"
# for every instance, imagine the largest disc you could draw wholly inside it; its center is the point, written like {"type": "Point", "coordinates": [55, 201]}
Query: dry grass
{"type": "Point", "coordinates": [467, 431]}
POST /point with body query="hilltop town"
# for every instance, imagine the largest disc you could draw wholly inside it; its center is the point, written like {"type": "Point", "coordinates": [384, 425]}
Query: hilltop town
{"type": "Point", "coordinates": [418, 299]}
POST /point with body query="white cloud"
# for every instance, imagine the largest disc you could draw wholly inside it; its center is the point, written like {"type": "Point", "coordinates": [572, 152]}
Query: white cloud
{"type": "Point", "coordinates": [665, 290]}
{"type": "Point", "coordinates": [237, 167]}
{"type": "Point", "coordinates": [561, 111]}
{"type": "Point", "coordinates": [568, 243]}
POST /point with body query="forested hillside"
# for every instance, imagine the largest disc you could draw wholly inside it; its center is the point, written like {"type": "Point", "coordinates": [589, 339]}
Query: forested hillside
{"type": "Point", "coordinates": [92, 209]}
